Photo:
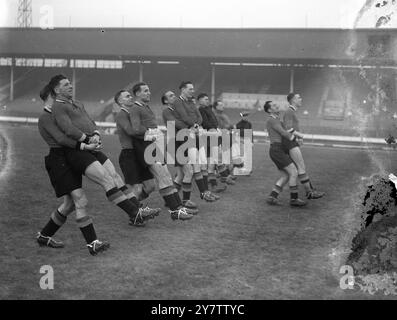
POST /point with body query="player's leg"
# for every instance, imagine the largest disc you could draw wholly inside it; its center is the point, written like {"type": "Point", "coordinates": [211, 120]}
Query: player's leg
{"type": "Point", "coordinates": [85, 223]}
{"type": "Point", "coordinates": [148, 187]}
{"type": "Point", "coordinates": [129, 193]}
{"type": "Point", "coordinates": [99, 175]}
{"type": "Point", "coordinates": [278, 187]}
{"type": "Point", "coordinates": [64, 180]}
{"type": "Point", "coordinates": [292, 181]}
{"type": "Point", "coordinates": [169, 193]}
{"type": "Point", "coordinates": [212, 181]}
{"type": "Point", "coordinates": [179, 177]}
{"type": "Point", "coordinates": [296, 156]}
{"type": "Point", "coordinates": [187, 170]}
{"type": "Point", "coordinates": [193, 155]}
{"type": "Point", "coordinates": [132, 175]}
{"type": "Point", "coordinates": [57, 220]}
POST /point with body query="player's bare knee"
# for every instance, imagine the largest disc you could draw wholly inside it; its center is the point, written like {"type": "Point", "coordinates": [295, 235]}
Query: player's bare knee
{"type": "Point", "coordinates": [80, 200]}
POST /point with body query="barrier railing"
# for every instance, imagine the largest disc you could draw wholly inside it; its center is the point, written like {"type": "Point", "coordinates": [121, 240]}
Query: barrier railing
{"type": "Point", "coordinates": [257, 134]}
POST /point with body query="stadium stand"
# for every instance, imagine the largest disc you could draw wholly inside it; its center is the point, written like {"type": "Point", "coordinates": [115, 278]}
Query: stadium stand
{"type": "Point", "coordinates": [335, 98]}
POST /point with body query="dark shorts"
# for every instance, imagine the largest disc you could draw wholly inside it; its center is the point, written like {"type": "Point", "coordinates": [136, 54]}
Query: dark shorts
{"type": "Point", "coordinates": [63, 179]}
{"type": "Point", "coordinates": [288, 144]}
{"type": "Point", "coordinates": [278, 155]}
{"type": "Point", "coordinates": [133, 172]}
{"type": "Point", "coordinates": [79, 160]}
{"type": "Point", "coordinates": [140, 146]}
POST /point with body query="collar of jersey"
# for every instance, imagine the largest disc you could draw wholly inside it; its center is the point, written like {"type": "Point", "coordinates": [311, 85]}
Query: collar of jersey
{"type": "Point", "coordinates": [139, 103]}
{"type": "Point", "coordinates": [47, 109]}
{"type": "Point", "coordinates": [124, 109]}
{"type": "Point", "coordinates": [292, 107]}
{"type": "Point", "coordinates": [171, 108]}
{"type": "Point", "coordinates": [184, 99]}
{"type": "Point", "coordinates": [63, 101]}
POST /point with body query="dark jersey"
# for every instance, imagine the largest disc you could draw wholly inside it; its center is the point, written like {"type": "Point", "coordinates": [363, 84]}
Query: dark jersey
{"type": "Point", "coordinates": [209, 119]}
{"type": "Point", "coordinates": [142, 118]}
{"type": "Point", "coordinates": [276, 130]}
{"type": "Point", "coordinates": [124, 128]}
{"type": "Point", "coordinates": [50, 132]}
{"type": "Point", "coordinates": [72, 119]}
{"type": "Point", "coordinates": [187, 111]}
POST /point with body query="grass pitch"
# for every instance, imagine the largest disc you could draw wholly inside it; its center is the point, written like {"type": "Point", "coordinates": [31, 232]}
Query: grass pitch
{"type": "Point", "coordinates": [236, 248]}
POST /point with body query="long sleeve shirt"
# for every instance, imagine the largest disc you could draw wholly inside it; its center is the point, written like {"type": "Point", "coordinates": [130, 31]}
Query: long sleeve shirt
{"type": "Point", "coordinates": [276, 130]}
{"type": "Point", "coordinates": [50, 132]}
{"type": "Point", "coordinates": [169, 114]}
{"type": "Point", "coordinates": [223, 120]}
{"type": "Point", "coordinates": [290, 120]}
{"type": "Point", "coordinates": [72, 119]}
{"type": "Point", "coordinates": [141, 118]}
{"type": "Point", "coordinates": [187, 111]}
{"type": "Point", "coordinates": [124, 128]}
{"type": "Point", "coordinates": [209, 119]}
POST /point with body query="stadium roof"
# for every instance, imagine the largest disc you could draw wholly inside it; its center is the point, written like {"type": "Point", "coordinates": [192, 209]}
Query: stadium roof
{"type": "Point", "coordinates": [228, 44]}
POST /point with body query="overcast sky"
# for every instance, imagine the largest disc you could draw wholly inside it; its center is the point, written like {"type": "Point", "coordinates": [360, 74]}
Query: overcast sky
{"type": "Point", "coordinates": [196, 14]}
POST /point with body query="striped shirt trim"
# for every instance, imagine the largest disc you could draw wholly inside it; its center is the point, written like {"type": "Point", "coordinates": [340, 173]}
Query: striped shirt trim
{"type": "Point", "coordinates": [47, 109]}
{"type": "Point", "coordinates": [139, 104]}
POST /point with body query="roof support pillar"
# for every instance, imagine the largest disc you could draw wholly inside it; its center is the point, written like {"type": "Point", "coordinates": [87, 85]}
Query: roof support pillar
{"type": "Point", "coordinates": [291, 80]}
{"type": "Point", "coordinates": [212, 82]}
{"type": "Point", "coordinates": [12, 80]}
{"type": "Point", "coordinates": [74, 83]}
{"type": "Point", "coordinates": [140, 71]}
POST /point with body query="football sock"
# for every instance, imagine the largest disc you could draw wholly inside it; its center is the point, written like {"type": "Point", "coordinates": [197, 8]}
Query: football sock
{"type": "Point", "coordinates": [198, 177]}
{"type": "Point", "coordinates": [130, 195]}
{"type": "Point", "coordinates": [276, 191]}
{"type": "Point", "coordinates": [294, 192]}
{"type": "Point", "coordinates": [186, 190]}
{"type": "Point", "coordinates": [87, 229]}
{"type": "Point", "coordinates": [53, 225]}
{"type": "Point", "coordinates": [119, 199]}
{"type": "Point", "coordinates": [305, 181]}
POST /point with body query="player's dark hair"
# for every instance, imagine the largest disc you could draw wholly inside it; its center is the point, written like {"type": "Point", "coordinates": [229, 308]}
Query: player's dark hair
{"type": "Point", "coordinates": [54, 82]}
{"type": "Point", "coordinates": [137, 87]}
{"type": "Point", "coordinates": [216, 103]}
{"type": "Point", "coordinates": [118, 94]}
{"type": "Point", "coordinates": [45, 93]}
{"type": "Point", "coordinates": [184, 84]}
{"type": "Point", "coordinates": [291, 96]}
{"type": "Point", "coordinates": [164, 99]}
{"type": "Point", "coordinates": [202, 95]}
{"type": "Point", "coordinates": [267, 106]}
